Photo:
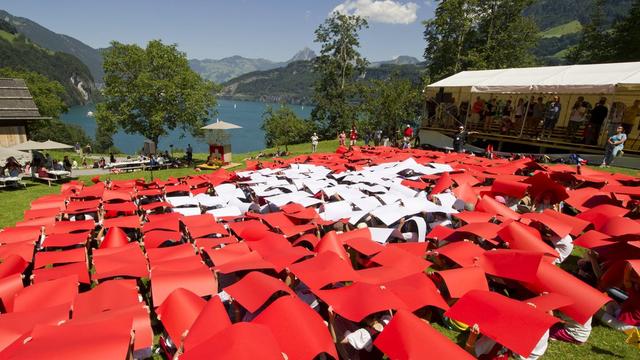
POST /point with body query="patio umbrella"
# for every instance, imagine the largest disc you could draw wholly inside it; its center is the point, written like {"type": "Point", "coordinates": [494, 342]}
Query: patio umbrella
{"type": "Point", "coordinates": [54, 145]}
{"type": "Point", "coordinates": [221, 125]}
{"type": "Point", "coordinates": [6, 153]}
{"type": "Point", "coordinates": [28, 145]}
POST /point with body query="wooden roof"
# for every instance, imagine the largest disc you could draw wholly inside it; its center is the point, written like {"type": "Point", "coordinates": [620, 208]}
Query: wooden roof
{"type": "Point", "coordinates": [16, 102]}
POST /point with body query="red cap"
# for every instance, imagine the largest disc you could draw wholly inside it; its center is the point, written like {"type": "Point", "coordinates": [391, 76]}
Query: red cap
{"type": "Point", "coordinates": [114, 238]}
{"type": "Point", "coordinates": [462, 280]}
{"type": "Point", "coordinates": [300, 331]}
{"type": "Point", "coordinates": [509, 322]}
{"type": "Point", "coordinates": [255, 288]}
{"type": "Point", "coordinates": [178, 312]}
{"type": "Point", "coordinates": [358, 300]}
{"type": "Point", "coordinates": [409, 337]}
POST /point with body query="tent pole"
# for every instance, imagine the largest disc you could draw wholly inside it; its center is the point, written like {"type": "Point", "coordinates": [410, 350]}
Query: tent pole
{"type": "Point", "coordinates": [524, 118]}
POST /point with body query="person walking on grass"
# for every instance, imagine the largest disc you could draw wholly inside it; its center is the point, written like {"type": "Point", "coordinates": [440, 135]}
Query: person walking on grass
{"type": "Point", "coordinates": [342, 138]}
{"type": "Point", "coordinates": [189, 154]}
{"type": "Point", "coordinates": [353, 136]}
{"type": "Point", "coordinates": [407, 135]}
{"type": "Point", "coordinates": [614, 146]}
{"type": "Point", "coordinates": [314, 142]}
{"type": "Point", "coordinates": [460, 138]}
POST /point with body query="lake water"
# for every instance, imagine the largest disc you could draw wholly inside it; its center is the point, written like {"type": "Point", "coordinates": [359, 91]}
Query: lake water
{"type": "Point", "coordinates": [247, 114]}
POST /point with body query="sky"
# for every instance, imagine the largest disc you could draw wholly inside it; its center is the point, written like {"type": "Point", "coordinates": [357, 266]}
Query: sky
{"type": "Point", "coordinates": [271, 29]}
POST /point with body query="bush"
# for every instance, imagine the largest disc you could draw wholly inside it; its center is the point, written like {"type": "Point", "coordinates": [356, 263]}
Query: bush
{"type": "Point", "coordinates": [282, 127]}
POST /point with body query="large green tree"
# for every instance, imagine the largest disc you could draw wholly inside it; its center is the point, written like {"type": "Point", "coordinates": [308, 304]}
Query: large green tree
{"type": "Point", "coordinates": [595, 43]}
{"type": "Point", "coordinates": [282, 127]}
{"type": "Point", "coordinates": [152, 91]}
{"type": "Point", "coordinates": [389, 105]}
{"type": "Point", "coordinates": [338, 66]}
{"type": "Point", "coordinates": [474, 34]}
{"type": "Point", "coordinates": [626, 32]}
{"type": "Point", "coordinates": [448, 35]}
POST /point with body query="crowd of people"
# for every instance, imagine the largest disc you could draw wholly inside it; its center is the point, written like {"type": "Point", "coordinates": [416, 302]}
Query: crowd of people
{"type": "Point", "coordinates": [538, 118]}
{"type": "Point", "coordinates": [401, 138]}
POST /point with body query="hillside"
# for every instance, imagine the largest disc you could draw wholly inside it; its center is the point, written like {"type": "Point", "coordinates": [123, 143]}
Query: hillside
{"type": "Point", "coordinates": [560, 22]}
{"type": "Point", "coordinates": [48, 39]}
{"type": "Point", "coordinates": [294, 83]}
{"type": "Point", "coordinates": [18, 52]}
{"type": "Point", "coordinates": [225, 69]}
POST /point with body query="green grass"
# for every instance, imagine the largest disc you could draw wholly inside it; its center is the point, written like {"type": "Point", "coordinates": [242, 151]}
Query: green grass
{"type": "Point", "coordinates": [7, 36]}
{"type": "Point", "coordinates": [564, 29]}
{"type": "Point", "coordinates": [604, 343]}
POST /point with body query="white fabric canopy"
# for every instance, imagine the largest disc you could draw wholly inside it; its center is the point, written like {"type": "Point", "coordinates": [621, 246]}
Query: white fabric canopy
{"type": "Point", "coordinates": [571, 79]}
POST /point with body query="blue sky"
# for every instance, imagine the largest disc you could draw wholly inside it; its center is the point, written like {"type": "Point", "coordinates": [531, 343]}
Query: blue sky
{"type": "Point", "coordinates": [272, 29]}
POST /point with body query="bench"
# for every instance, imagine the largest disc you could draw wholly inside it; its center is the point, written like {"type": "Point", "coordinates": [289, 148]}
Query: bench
{"type": "Point", "coordinates": [11, 181]}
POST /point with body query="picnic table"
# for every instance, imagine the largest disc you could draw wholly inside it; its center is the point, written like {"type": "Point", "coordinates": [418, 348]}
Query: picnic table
{"type": "Point", "coordinates": [53, 176]}
{"type": "Point", "coordinates": [127, 166]}
{"type": "Point", "coordinates": [15, 181]}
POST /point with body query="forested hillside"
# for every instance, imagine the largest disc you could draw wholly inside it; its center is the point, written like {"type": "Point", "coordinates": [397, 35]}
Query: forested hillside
{"type": "Point", "coordinates": [19, 53]}
{"type": "Point", "coordinates": [294, 83]}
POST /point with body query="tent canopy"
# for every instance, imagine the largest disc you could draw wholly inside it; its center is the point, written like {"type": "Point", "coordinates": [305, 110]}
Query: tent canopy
{"type": "Point", "coordinates": [54, 145]}
{"type": "Point", "coordinates": [35, 145]}
{"type": "Point", "coordinates": [571, 79]}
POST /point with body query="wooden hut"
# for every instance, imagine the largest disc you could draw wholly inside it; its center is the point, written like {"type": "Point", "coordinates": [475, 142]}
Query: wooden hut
{"type": "Point", "coordinates": [17, 108]}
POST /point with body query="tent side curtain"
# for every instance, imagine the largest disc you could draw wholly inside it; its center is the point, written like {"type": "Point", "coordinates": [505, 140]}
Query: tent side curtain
{"type": "Point", "coordinates": [593, 78]}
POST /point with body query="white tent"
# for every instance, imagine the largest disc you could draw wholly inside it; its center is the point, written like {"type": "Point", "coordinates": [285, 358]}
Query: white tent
{"type": "Point", "coordinates": [571, 79]}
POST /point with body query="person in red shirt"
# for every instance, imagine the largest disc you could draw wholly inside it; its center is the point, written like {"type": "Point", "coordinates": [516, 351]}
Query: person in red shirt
{"type": "Point", "coordinates": [353, 136]}
{"type": "Point", "coordinates": [408, 134]}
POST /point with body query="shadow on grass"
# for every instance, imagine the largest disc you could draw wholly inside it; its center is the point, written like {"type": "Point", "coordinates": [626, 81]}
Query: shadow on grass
{"type": "Point", "coordinates": [600, 351]}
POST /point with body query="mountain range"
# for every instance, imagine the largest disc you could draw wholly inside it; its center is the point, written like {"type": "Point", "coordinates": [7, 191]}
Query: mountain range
{"type": "Point", "coordinates": [560, 22]}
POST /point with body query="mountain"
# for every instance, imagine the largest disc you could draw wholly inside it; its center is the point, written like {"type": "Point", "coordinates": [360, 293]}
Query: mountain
{"type": "Point", "coordinates": [560, 23]}
{"type": "Point", "coordinates": [398, 60]}
{"type": "Point", "coordinates": [48, 39]}
{"type": "Point", "coordinates": [293, 83]}
{"type": "Point", "coordinates": [305, 54]}
{"type": "Point", "coordinates": [225, 69]}
{"type": "Point", "coordinates": [19, 53]}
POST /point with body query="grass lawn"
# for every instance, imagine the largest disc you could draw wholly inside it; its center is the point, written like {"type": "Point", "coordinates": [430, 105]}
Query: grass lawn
{"type": "Point", "coordinates": [564, 29]}
{"type": "Point", "coordinates": [604, 343]}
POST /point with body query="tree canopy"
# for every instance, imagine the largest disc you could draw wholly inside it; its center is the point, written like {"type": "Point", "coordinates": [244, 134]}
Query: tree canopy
{"type": "Point", "coordinates": [390, 105]}
{"type": "Point", "coordinates": [474, 34]}
{"type": "Point", "coordinates": [152, 91]}
{"type": "Point", "coordinates": [338, 66]}
{"type": "Point", "coordinates": [282, 127]}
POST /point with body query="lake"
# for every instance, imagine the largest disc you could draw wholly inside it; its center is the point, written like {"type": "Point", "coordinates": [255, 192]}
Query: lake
{"type": "Point", "coordinates": [247, 114]}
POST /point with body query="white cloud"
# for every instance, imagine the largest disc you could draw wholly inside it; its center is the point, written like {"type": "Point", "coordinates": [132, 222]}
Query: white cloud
{"type": "Point", "coordinates": [383, 11]}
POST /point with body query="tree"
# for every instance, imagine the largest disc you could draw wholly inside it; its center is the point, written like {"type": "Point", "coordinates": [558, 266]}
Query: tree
{"type": "Point", "coordinates": [595, 43]}
{"type": "Point", "coordinates": [626, 32]}
{"type": "Point", "coordinates": [338, 66]}
{"type": "Point", "coordinates": [153, 91]}
{"type": "Point", "coordinates": [504, 38]}
{"type": "Point", "coordinates": [447, 37]}
{"type": "Point", "coordinates": [282, 127]}
{"type": "Point", "coordinates": [391, 104]}
{"type": "Point", "coordinates": [473, 34]}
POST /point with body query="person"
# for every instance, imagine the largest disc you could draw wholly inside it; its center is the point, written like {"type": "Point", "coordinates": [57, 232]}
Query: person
{"type": "Point", "coordinates": [406, 139]}
{"type": "Point", "coordinates": [314, 142]}
{"type": "Point", "coordinates": [66, 163]}
{"type": "Point", "coordinates": [519, 113]}
{"type": "Point", "coordinates": [377, 137]}
{"type": "Point", "coordinates": [477, 111]}
{"type": "Point", "coordinates": [490, 109]}
{"type": "Point", "coordinates": [12, 167]}
{"type": "Point", "coordinates": [88, 149]}
{"type": "Point", "coordinates": [101, 163]}
{"type": "Point", "coordinates": [598, 115]}
{"type": "Point", "coordinates": [614, 146]}
{"type": "Point", "coordinates": [342, 138]}
{"type": "Point", "coordinates": [353, 136]}
{"type": "Point", "coordinates": [507, 123]}
{"type": "Point", "coordinates": [577, 118]}
{"type": "Point", "coordinates": [189, 154]}
{"type": "Point", "coordinates": [630, 117]}
{"type": "Point", "coordinates": [460, 138]}
{"type": "Point", "coordinates": [551, 116]}
{"type": "Point", "coordinates": [77, 148]}
{"type": "Point", "coordinates": [536, 114]}
{"type": "Point", "coordinates": [48, 162]}
{"type": "Point", "coordinates": [112, 158]}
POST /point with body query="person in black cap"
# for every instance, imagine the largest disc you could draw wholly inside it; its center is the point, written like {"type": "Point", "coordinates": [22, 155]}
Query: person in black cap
{"type": "Point", "coordinates": [460, 138]}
